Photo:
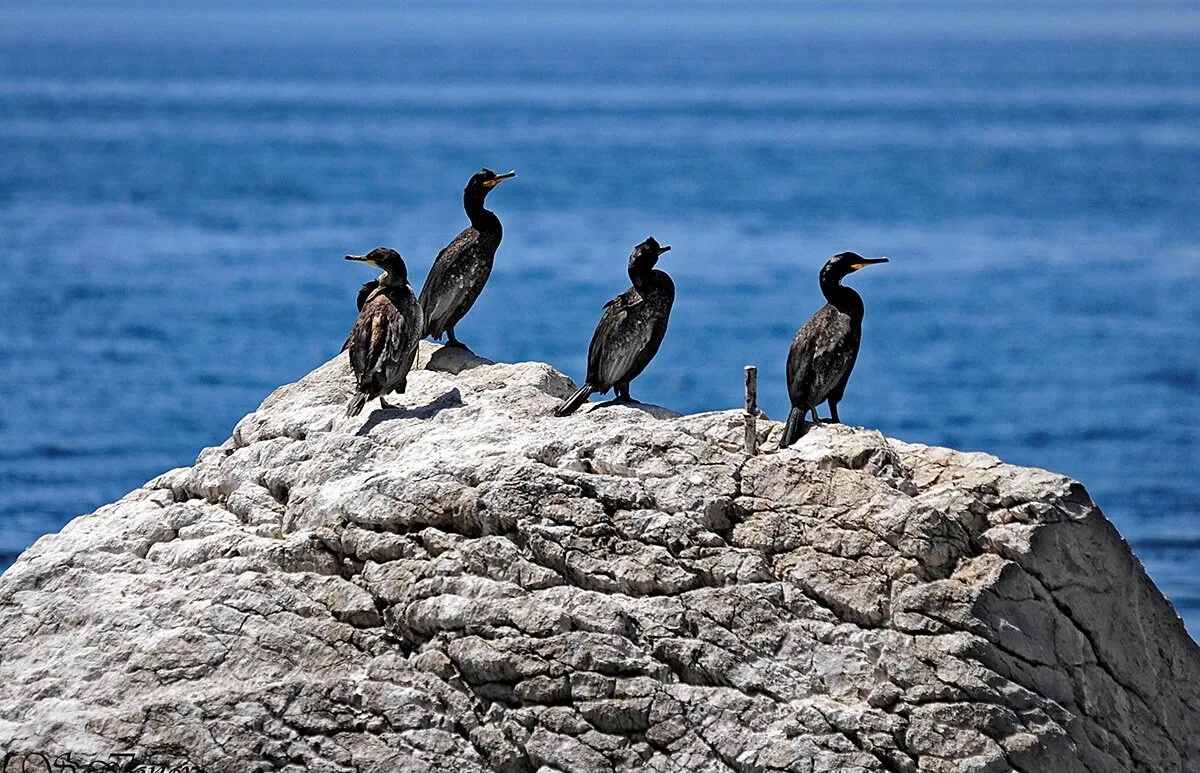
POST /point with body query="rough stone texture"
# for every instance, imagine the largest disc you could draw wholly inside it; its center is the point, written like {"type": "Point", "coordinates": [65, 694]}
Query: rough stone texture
{"type": "Point", "coordinates": [471, 584]}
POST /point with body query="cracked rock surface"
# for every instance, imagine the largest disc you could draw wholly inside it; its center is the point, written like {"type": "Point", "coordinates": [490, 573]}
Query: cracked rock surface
{"type": "Point", "coordinates": [470, 584]}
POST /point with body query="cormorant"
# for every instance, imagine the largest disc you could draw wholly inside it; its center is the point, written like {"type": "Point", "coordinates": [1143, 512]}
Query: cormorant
{"type": "Point", "coordinates": [824, 350]}
{"type": "Point", "coordinates": [383, 343]}
{"type": "Point", "coordinates": [463, 266]}
{"type": "Point", "coordinates": [630, 330]}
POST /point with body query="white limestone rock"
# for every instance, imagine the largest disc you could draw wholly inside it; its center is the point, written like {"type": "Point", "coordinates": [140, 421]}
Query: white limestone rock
{"type": "Point", "coordinates": [469, 583]}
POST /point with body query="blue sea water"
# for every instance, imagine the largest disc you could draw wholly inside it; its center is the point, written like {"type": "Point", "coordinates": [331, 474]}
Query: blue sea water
{"type": "Point", "coordinates": [179, 183]}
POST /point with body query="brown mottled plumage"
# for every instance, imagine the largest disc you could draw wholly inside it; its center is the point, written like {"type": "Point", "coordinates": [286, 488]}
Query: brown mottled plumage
{"type": "Point", "coordinates": [383, 343]}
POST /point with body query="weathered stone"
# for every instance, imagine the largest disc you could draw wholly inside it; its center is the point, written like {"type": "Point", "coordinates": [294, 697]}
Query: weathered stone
{"type": "Point", "coordinates": [468, 583]}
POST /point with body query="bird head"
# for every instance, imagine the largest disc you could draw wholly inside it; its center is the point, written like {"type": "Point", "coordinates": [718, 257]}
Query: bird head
{"type": "Point", "coordinates": [844, 264]}
{"type": "Point", "coordinates": [645, 255]}
{"type": "Point", "coordinates": [484, 180]}
{"type": "Point", "coordinates": [387, 259]}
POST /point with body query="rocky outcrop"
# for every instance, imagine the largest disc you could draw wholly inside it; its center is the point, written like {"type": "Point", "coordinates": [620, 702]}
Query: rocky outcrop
{"type": "Point", "coordinates": [470, 584]}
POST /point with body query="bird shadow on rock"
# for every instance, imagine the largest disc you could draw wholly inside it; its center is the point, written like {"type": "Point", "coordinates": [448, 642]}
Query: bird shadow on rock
{"type": "Point", "coordinates": [452, 399]}
{"type": "Point", "coordinates": [455, 359]}
{"type": "Point", "coordinates": [655, 411]}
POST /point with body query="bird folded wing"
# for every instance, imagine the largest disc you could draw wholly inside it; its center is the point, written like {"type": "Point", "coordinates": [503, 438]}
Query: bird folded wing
{"type": "Point", "coordinates": [624, 301]}
{"type": "Point", "coordinates": [365, 293]}
{"type": "Point", "coordinates": [626, 337]}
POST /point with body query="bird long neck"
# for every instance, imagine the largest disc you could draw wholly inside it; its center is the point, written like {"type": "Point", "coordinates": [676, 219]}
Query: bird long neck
{"type": "Point", "coordinates": [648, 280]}
{"type": "Point", "coordinates": [642, 278]}
{"type": "Point", "coordinates": [482, 219]}
{"type": "Point", "coordinates": [842, 298]}
{"type": "Point", "coordinates": [393, 278]}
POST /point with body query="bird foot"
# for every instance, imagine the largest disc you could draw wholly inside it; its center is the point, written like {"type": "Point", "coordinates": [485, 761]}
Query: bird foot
{"type": "Point", "coordinates": [457, 344]}
{"type": "Point", "coordinates": [388, 406]}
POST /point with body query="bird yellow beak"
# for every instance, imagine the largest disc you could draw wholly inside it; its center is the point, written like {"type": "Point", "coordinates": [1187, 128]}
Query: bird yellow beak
{"type": "Point", "coordinates": [867, 262]}
{"type": "Point", "coordinates": [362, 259]}
{"type": "Point", "coordinates": [499, 179]}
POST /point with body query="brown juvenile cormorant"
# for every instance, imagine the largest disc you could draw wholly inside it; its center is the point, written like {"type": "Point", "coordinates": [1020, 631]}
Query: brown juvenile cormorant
{"type": "Point", "coordinates": [630, 330]}
{"type": "Point", "coordinates": [383, 343]}
{"type": "Point", "coordinates": [463, 266]}
{"type": "Point", "coordinates": [824, 350]}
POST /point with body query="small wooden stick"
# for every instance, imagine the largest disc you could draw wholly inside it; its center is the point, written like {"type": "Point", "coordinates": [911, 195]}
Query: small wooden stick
{"type": "Point", "coordinates": [751, 417]}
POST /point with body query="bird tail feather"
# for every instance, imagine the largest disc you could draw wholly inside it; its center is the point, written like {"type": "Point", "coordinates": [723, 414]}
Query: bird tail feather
{"type": "Point", "coordinates": [355, 406]}
{"type": "Point", "coordinates": [572, 403]}
{"type": "Point", "coordinates": [794, 429]}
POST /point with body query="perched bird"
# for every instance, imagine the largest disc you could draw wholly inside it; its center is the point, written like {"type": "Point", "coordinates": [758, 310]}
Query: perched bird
{"type": "Point", "coordinates": [630, 330]}
{"type": "Point", "coordinates": [824, 350]}
{"type": "Point", "coordinates": [463, 266]}
{"type": "Point", "coordinates": [383, 343]}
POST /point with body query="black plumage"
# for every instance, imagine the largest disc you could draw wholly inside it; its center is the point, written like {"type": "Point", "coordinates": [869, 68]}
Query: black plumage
{"type": "Point", "coordinates": [630, 330]}
{"type": "Point", "coordinates": [462, 268]}
{"type": "Point", "coordinates": [383, 343]}
{"type": "Point", "coordinates": [824, 350]}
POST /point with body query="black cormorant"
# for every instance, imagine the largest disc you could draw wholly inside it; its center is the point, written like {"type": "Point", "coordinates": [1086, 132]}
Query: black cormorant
{"type": "Point", "coordinates": [630, 330]}
{"type": "Point", "coordinates": [463, 266]}
{"type": "Point", "coordinates": [383, 343]}
{"type": "Point", "coordinates": [824, 350]}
